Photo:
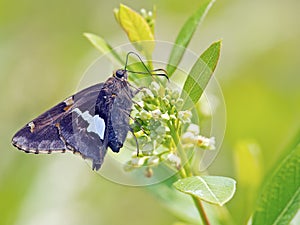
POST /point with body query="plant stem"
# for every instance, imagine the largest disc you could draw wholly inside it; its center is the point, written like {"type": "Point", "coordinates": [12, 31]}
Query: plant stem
{"type": "Point", "coordinates": [201, 211]}
{"type": "Point", "coordinates": [181, 152]}
{"type": "Point", "coordinates": [186, 171]}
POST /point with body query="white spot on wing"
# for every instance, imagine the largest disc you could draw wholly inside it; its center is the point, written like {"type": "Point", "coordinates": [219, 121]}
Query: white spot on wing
{"type": "Point", "coordinates": [96, 123]}
{"type": "Point", "coordinates": [32, 126]}
{"type": "Point", "coordinates": [69, 101]}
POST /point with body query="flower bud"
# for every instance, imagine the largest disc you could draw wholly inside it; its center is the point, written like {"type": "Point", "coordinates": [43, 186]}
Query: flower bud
{"type": "Point", "coordinates": [148, 172]}
{"type": "Point", "coordinates": [148, 93]}
{"type": "Point", "coordinates": [148, 148]}
{"type": "Point", "coordinates": [179, 102]}
{"type": "Point", "coordinates": [174, 159]}
{"type": "Point", "coordinates": [175, 94]}
{"type": "Point", "coordinates": [153, 160]}
{"type": "Point", "coordinates": [185, 116]}
{"type": "Point", "coordinates": [194, 128]}
{"type": "Point", "coordinates": [154, 86]}
{"type": "Point", "coordinates": [145, 115]}
{"type": "Point", "coordinates": [156, 113]}
{"type": "Point", "coordinates": [188, 137]}
{"type": "Point", "coordinates": [165, 116]}
{"type": "Point", "coordinates": [161, 130]}
{"type": "Point", "coordinates": [137, 161]}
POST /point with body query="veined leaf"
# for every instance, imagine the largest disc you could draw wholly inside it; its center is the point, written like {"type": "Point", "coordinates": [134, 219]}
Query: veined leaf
{"type": "Point", "coordinates": [212, 189]}
{"type": "Point", "coordinates": [200, 75]}
{"type": "Point", "coordinates": [137, 30]}
{"type": "Point", "coordinates": [279, 200]}
{"type": "Point", "coordinates": [182, 205]}
{"type": "Point", "coordinates": [185, 35]}
{"type": "Point", "coordinates": [100, 44]}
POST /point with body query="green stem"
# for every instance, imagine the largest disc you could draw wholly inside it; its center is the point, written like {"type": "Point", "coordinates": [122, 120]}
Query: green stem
{"type": "Point", "coordinates": [201, 210]}
{"type": "Point", "coordinates": [187, 172]}
{"type": "Point", "coordinates": [180, 150]}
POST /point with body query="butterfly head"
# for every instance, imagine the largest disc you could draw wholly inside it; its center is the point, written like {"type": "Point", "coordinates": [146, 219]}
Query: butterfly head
{"type": "Point", "coordinates": [121, 74]}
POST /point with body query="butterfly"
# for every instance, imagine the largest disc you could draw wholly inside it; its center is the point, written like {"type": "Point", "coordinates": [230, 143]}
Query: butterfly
{"type": "Point", "coordinates": [87, 122]}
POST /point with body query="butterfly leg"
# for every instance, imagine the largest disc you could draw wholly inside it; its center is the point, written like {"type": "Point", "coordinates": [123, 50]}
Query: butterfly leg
{"type": "Point", "coordinates": [131, 130]}
{"type": "Point", "coordinates": [137, 90]}
{"type": "Point", "coordinates": [140, 125]}
{"type": "Point", "coordinates": [136, 142]}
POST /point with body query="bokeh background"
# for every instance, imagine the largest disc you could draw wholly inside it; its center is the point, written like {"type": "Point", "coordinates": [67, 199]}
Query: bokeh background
{"type": "Point", "coordinates": [43, 55]}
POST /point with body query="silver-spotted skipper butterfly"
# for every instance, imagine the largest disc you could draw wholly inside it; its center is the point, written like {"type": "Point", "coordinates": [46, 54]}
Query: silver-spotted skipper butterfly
{"type": "Point", "coordinates": [88, 122]}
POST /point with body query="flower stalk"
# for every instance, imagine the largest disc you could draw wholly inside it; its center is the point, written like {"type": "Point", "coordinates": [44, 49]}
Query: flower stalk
{"type": "Point", "coordinates": [166, 134]}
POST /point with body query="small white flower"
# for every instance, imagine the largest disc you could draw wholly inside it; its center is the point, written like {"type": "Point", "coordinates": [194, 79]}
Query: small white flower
{"type": "Point", "coordinates": [148, 93]}
{"type": "Point", "coordinates": [174, 159]}
{"type": "Point", "coordinates": [194, 128]}
{"type": "Point", "coordinates": [137, 161]}
{"type": "Point", "coordinates": [165, 116]}
{"type": "Point", "coordinates": [153, 160]}
{"type": "Point", "coordinates": [206, 143]}
{"type": "Point", "coordinates": [143, 11]}
{"type": "Point", "coordinates": [175, 94]}
{"type": "Point", "coordinates": [188, 137]}
{"type": "Point", "coordinates": [156, 113]}
{"type": "Point", "coordinates": [172, 116]}
{"type": "Point", "coordinates": [141, 103]}
{"type": "Point", "coordinates": [166, 100]}
{"type": "Point", "coordinates": [185, 116]}
{"type": "Point", "coordinates": [148, 147]}
{"type": "Point", "coordinates": [154, 86]}
{"type": "Point", "coordinates": [179, 102]}
{"type": "Point", "coordinates": [145, 115]}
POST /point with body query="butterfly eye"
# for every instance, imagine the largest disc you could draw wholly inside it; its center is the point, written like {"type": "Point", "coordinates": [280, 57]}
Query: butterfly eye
{"type": "Point", "coordinates": [120, 73]}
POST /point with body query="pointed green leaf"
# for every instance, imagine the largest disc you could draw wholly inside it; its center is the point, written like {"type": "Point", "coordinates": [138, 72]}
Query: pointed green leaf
{"type": "Point", "coordinates": [137, 29]}
{"type": "Point", "coordinates": [185, 35]}
{"type": "Point", "coordinates": [279, 200]}
{"type": "Point", "coordinates": [212, 189]}
{"type": "Point", "coordinates": [200, 75]}
{"type": "Point", "coordinates": [100, 44]}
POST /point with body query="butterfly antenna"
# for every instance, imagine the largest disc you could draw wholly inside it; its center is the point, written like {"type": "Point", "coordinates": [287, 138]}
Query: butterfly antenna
{"type": "Point", "coordinates": [151, 72]}
{"type": "Point", "coordinates": [133, 53]}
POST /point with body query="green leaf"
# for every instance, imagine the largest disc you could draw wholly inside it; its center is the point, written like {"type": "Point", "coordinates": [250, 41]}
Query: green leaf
{"type": "Point", "coordinates": [182, 205]}
{"type": "Point", "coordinates": [185, 35]}
{"type": "Point", "coordinates": [200, 75]}
{"type": "Point", "coordinates": [100, 44]}
{"type": "Point", "coordinates": [137, 29]}
{"type": "Point", "coordinates": [279, 200]}
{"type": "Point", "coordinates": [212, 189]}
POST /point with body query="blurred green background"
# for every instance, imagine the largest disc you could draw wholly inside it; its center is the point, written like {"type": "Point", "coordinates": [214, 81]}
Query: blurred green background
{"type": "Point", "coordinates": [43, 55]}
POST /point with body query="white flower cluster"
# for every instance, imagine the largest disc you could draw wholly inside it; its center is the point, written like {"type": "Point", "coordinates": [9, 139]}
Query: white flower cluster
{"type": "Point", "coordinates": [155, 115]}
